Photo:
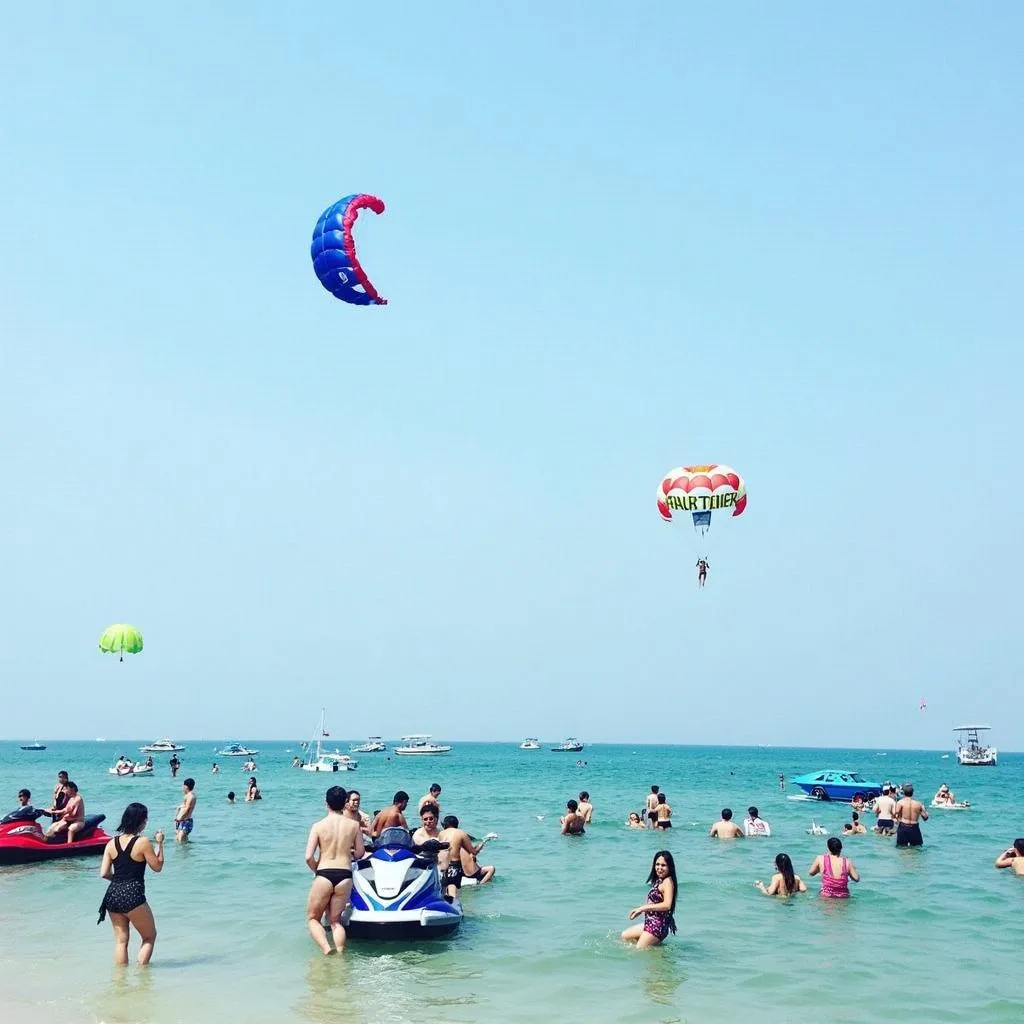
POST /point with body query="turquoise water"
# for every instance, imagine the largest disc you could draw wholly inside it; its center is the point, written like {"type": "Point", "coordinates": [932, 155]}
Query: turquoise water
{"type": "Point", "coordinates": [938, 931]}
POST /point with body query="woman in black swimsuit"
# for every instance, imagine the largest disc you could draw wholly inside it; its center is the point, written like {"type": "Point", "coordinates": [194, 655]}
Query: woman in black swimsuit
{"type": "Point", "coordinates": [124, 864]}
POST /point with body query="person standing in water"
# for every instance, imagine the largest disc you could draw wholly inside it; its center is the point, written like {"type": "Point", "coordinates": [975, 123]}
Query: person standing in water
{"type": "Point", "coordinates": [174, 764]}
{"type": "Point", "coordinates": [785, 881]}
{"type": "Point", "coordinates": [334, 842]}
{"type": "Point", "coordinates": [1013, 857]}
{"type": "Point", "coordinates": [664, 813]}
{"type": "Point", "coordinates": [125, 859]}
{"type": "Point", "coordinates": [836, 871]}
{"type": "Point", "coordinates": [659, 910]}
{"type": "Point", "coordinates": [726, 828]}
{"type": "Point", "coordinates": [183, 816]}
{"type": "Point", "coordinates": [586, 807]}
{"type": "Point", "coordinates": [652, 807]}
{"type": "Point", "coordinates": [908, 811]}
{"type": "Point", "coordinates": [572, 823]}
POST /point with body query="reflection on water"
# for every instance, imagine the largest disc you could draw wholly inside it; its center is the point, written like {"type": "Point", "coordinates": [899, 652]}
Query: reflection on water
{"type": "Point", "coordinates": [662, 975]}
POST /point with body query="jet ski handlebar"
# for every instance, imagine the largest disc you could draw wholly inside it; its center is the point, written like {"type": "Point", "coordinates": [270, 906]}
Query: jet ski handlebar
{"type": "Point", "coordinates": [23, 814]}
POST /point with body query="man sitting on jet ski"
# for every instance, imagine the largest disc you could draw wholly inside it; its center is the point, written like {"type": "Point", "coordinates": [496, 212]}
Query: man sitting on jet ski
{"type": "Point", "coordinates": [71, 819]}
{"type": "Point", "coordinates": [24, 811]}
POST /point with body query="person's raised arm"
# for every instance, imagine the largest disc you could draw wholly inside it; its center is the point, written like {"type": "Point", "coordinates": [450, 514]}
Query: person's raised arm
{"type": "Point", "coordinates": [1004, 860]}
{"type": "Point", "coordinates": [311, 848]}
{"type": "Point", "coordinates": [154, 856]}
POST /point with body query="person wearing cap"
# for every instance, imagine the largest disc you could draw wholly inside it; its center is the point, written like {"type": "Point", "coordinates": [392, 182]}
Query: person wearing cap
{"type": "Point", "coordinates": [755, 825]}
{"type": "Point", "coordinates": [884, 810]}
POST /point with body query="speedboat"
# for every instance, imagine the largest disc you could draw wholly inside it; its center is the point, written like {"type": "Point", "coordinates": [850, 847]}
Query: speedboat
{"type": "Point", "coordinates": [530, 743]}
{"type": "Point", "coordinates": [971, 751]}
{"type": "Point", "coordinates": [33, 746]}
{"type": "Point", "coordinates": [837, 785]}
{"type": "Point", "coordinates": [236, 750]}
{"type": "Point", "coordinates": [22, 840]}
{"type": "Point", "coordinates": [373, 745]}
{"type": "Point", "coordinates": [569, 746]}
{"type": "Point", "coordinates": [161, 747]}
{"type": "Point", "coordinates": [397, 894]}
{"type": "Point", "coordinates": [127, 767]}
{"type": "Point", "coordinates": [419, 743]}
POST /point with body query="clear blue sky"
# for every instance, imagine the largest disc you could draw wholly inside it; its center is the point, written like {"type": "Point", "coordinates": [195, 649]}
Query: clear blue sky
{"type": "Point", "coordinates": [617, 239]}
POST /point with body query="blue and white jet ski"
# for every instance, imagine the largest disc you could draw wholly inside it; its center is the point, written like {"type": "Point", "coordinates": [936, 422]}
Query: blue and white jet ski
{"type": "Point", "coordinates": [397, 894]}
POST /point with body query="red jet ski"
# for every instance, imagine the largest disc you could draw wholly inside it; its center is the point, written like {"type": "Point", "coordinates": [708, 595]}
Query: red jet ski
{"type": "Point", "coordinates": [22, 840]}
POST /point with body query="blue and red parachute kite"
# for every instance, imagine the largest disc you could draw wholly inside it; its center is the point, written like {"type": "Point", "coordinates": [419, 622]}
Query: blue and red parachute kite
{"type": "Point", "coordinates": [334, 252]}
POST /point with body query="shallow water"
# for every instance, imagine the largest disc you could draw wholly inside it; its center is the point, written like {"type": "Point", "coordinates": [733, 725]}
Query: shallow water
{"type": "Point", "coordinates": [938, 930]}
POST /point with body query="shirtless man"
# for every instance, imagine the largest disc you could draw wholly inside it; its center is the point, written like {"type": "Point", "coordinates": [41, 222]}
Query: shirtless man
{"type": "Point", "coordinates": [884, 810]}
{"type": "Point", "coordinates": [664, 813]}
{"type": "Point", "coordinates": [393, 816]}
{"type": "Point", "coordinates": [183, 815]}
{"type": "Point", "coordinates": [586, 807]}
{"type": "Point", "coordinates": [433, 797]}
{"type": "Point", "coordinates": [353, 811]}
{"type": "Point", "coordinates": [726, 828]}
{"type": "Point", "coordinates": [71, 818]}
{"type": "Point", "coordinates": [702, 571]}
{"type": "Point", "coordinates": [908, 811]}
{"type": "Point", "coordinates": [572, 823]}
{"type": "Point", "coordinates": [462, 862]}
{"type": "Point", "coordinates": [429, 814]}
{"type": "Point", "coordinates": [339, 841]}
{"type": "Point", "coordinates": [652, 807]}
{"type": "Point", "coordinates": [1013, 858]}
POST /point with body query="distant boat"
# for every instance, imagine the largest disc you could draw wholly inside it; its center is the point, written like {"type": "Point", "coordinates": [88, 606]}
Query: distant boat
{"type": "Point", "coordinates": [161, 747]}
{"type": "Point", "coordinates": [373, 745]}
{"type": "Point", "coordinates": [237, 750]}
{"type": "Point", "coordinates": [530, 743]}
{"type": "Point", "coordinates": [33, 746]}
{"type": "Point", "coordinates": [418, 743]}
{"type": "Point", "coordinates": [568, 746]}
{"type": "Point", "coordinates": [972, 751]}
{"type": "Point", "coordinates": [322, 760]}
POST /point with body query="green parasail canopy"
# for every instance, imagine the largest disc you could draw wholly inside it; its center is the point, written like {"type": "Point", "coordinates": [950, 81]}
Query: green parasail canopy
{"type": "Point", "coordinates": [120, 638]}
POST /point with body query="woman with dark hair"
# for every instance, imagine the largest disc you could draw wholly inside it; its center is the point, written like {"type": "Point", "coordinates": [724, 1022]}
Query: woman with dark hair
{"type": "Point", "coordinates": [124, 864]}
{"type": "Point", "coordinates": [785, 881]}
{"type": "Point", "coordinates": [253, 792]}
{"type": "Point", "coordinates": [836, 871]}
{"type": "Point", "coordinates": [659, 910]}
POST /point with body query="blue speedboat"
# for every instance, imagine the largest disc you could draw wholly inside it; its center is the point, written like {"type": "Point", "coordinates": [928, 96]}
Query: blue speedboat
{"type": "Point", "coordinates": [836, 785]}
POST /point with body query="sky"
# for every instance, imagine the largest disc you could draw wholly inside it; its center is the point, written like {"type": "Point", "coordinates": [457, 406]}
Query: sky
{"type": "Point", "coordinates": [617, 240]}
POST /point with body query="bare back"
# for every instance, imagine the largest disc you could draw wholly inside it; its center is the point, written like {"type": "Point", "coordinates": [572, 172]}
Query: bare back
{"type": "Point", "coordinates": [908, 810]}
{"type": "Point", "coordinates": [339, 839]}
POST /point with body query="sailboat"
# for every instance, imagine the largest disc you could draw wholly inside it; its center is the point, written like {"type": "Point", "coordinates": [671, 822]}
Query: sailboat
{"type": "Point", "coordinates": [326, 761]}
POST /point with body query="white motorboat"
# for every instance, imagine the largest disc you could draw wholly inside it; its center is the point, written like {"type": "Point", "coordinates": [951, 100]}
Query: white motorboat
{"type": "Point", "coordinates": [970, 750]}
{"type": "Point", "coordinates": [161, 747]}
{"type": "Point", "coordinates": [127, 768]}
{"type": "Point", "coordinates": [418, 743]}
{"type": "Point", "coordinates": [373, 745]}
{"type": "Point", "coordinates": [324, 760]}
{"type": "Point", "coordinates": [530, 743]}
{"type": "Point", "coordinates": [571, 745]}
{"type": "Point", "coordinates": [237, 750]}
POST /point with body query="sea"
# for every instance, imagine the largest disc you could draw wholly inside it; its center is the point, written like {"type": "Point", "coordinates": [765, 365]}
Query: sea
{"type": "Point", "coordinates": [935, 934]}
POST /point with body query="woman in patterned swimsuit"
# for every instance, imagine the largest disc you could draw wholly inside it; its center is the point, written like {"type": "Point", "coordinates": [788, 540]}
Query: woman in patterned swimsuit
{"type": "Point", "coordinates": [124, 864]}
{"type": "Point", "coordinates": [660, 907]}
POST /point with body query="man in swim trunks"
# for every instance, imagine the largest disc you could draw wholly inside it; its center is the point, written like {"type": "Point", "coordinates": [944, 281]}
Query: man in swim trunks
{"type": "Point", "coordinates": [339, 841]}
{"type": "Point", "coordinates": [393, 816]}
{"type": "Point", "coordinates": [884, 809]}
{"type": "Point", "coordinates": [664, 813]}
{"type": "Point", "coordinates": [702, 571]}
{"type": "Point", "coordinates": [572, 824]}
{"type": "Point", "coordinates": [908, 811]}
{"type": "Point", "coordinates": [1012, 858]}
{"type": "Point", "coordinates": [429, 815]}
{"type": "Point", "coordinates": [183, 816]}
{"type": "Point", "coordinates": [71, 817]}
{"type": "Point", "coordinates": [652, 807]}
{"type": "Point", "coordinates": [726, 828]}
{"type": "Point", "coordinates": [462, 862]}
{"type": "Point", "coordinates": [586, 808]}
{"type": "Point", "coordinates": [433, 797]}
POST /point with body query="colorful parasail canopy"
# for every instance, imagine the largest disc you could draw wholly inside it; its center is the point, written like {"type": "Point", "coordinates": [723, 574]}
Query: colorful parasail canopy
{"type": "Point", "coordinates": [701, 490]}
{"type": "Point", "coordinates": [121, 639]}
{"type": "Point", "coordinates": [333, 251]}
